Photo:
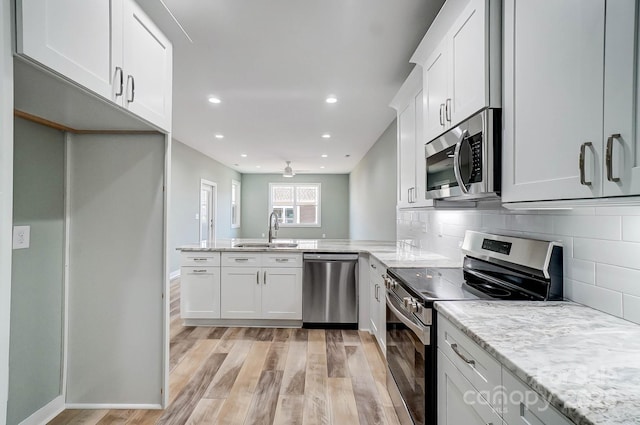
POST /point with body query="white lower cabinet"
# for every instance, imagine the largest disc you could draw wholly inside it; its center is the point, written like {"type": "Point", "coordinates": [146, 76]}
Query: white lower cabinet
{"type": "Point", "coordinates": [474, 388]}
{"type": "Point", "coordinates": [459, 402]}
{"type": "Point", "coordinates": [200, 285]}
{"type": "Point", "coordinates": [377, 302]}
{"type": "Point", "coordinates": [257, 292]}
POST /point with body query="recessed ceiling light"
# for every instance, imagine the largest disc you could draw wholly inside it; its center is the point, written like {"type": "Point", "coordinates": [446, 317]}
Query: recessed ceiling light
{"type": "Point", "coordinates": [322, 166]}
{"type": "Point", "coordinates": [331, 99]}
{"type": "Point", "coordinates": [326, 136]}
{"type": "Point", "coordinates": [244, 155]}
{"type": "Point", "coordinates": [324, 155]}
{"type": "Point", "coordinates": [214, 99]}
{"type": "Point", "coordinates": [219, 136]}
{"type": "Point", "coordinates": [257, 166]}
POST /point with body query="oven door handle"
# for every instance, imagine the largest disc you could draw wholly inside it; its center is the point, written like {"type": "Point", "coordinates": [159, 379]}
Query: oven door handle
{"type": "Point", "coordinates": [421, 332]}
{"type": "Point", "coordinates": [456, 162]}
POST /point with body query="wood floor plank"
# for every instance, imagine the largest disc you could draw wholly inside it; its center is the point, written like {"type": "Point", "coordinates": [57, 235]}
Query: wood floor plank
{"type": "Point", "coordinates": [178, 349]}
{"type": "Point", "coordinates": [265, 399]}
{"type": "Point", "coordinates": [282, 335]}
{"type": "Point", "coordinates": [342, 401]}
{"type": "Point", "coordinates": [221, 384]}
{"type": "Point", "coordinates": [206, 412]}
{"type": "Point", "coordinates": [182, 373]}
{"type": "Point", "coordinates": [182, 407]}
{"type": "Point", "coordinates": [316, 396]}
{"type": "Point", "coordinates": [116, 417]}
{"type": "Point", "coordinates": [295, 369]}
{"type": "Point", "coordinates": [199, 332]}
{"type": "Point", "coordinates": [336, 357]}
{"type": "Point", "coordinates": [377, 363]}
{"type": "Point", "coordinates": [266, 334]}
{"type": "Point", "coordinates": [300, 334]}
{"type": "Point", "coordinates": [277, 356]}
{"type": "Point", "coordinates": [289, 410]}
{"type": "Point", "coordinates": [317, 341]}
{"type": "Point", "coordinates": [249, 375]}
{"type": "Point", "coordinates": [387, 405]}
{"type": "Point", "coordinates": [351, 337]}
{"type": "Point", "coordinates": [64, 417]}
{"type": "Point", "coordinates": [234, 410]}
{"type": "Point", "coordinates": [79, 417]}
{"type": "Point", "coordinates": [217, 332]}
{"type": "Point", "coordinates": [145, 417]}
{"type": "Point", "coordinates": [369, 406]}
{"type": "Point", "coordinates": [228, 340]}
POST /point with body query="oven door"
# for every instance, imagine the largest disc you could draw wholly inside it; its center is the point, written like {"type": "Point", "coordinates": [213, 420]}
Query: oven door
{"type": "Point", "coordinates": [409, 353]}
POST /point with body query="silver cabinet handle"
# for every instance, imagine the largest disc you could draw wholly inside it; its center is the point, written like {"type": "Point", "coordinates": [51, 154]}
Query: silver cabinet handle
{"type": "Point", "coordinates": [199, 271]}
{"type": "Point", "coordinates": [282, 260]}
{"type": "Point", "coordinates": [583, 148]}
{"type": "Point", "coordinates": [455, 349]}
{"type": "Point", "coordinates": [200, 259]}
{"type": "Point", "coordinates": [609, 158]}
{"type": "Point", "coordinates": [456, 162]}
{"type": "Point", "coordinates": [240, 260]}
{"type": "Point", "coordinates": [441, 117]}
{"type": "Point", "coordinates": [265, 277]}
{"type": "Point", "coordinates": [121, 73]}
{"type": "Point", "coordinates": [131, 82]}
{"type": "Point", "coordinates": [376, 292]}
{"type": "Point", "coordinates": [447, 110]}
{"type": "Point", "coordinates": [258, 277]}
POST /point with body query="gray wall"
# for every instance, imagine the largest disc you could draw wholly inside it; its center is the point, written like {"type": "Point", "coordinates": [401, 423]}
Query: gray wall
{"type": "Point", "coordinates": [116, 269]}
{"type": "Point", "coordinates": [188, 166]}
{"type": "Point", "coordinates": [35, 359]}
{"type": "Point", "coordinates": [334, 198]}
{"type": "Point", "coordinates": [372, 191]}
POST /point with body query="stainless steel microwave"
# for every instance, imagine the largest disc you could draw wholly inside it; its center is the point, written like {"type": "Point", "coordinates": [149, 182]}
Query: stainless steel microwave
{"type": "Point", "coordinates": [465, 162]}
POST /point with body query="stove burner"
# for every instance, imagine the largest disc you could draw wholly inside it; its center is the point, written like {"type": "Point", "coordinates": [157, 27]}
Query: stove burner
{"type": "Point", "coordinates": [491, 290]}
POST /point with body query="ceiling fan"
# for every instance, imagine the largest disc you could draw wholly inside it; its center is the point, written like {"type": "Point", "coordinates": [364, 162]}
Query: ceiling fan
{"type": "Point", "coordinates": [288, 171]}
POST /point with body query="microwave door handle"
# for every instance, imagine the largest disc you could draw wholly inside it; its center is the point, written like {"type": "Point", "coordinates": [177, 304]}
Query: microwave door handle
{"type": "Point", "coordinates": [456, 162]}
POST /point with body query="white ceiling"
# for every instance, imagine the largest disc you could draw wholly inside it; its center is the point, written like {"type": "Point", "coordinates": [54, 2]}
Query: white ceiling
{"type": "Point", "coordinates": [273, 63]}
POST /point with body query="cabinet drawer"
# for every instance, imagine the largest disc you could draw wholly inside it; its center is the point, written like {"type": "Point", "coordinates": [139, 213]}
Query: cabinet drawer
{"type": "Point", "coordinates": [524, 406]}
{"type": "Point", "coordinates": [376, 268]}
{"type": "Point", "coordinates": [241, 259]}
{"type": "Point", "coordinates": [482, 370]}
{"type": "Point", "coordinates": [278, 259]}
{"type": "Point", "coordinates": [199, 258]}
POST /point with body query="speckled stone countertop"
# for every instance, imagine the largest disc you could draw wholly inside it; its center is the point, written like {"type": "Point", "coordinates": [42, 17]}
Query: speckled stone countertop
{"type": "Point", "coordinates": [586, 363]}
{"type": "Point", "coordinates": [391, 254]}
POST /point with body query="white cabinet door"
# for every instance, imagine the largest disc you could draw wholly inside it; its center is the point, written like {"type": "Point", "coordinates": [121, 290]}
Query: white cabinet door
{"type": "Point", "coordinates": [419, 193]}
{"type": "Point", "coordinates": [240, 293]}
{"type": "Point", "coordinates": [73, 38]}
{"type": "Point", "coordinates": [282, 293]}
{"type": "Point", "coordinates": [406, 154]}
{"type": "Point", "coordinates": [621, 132]}
{"type": "Point", "coordinates": [523, 406]}
{"type": "Point", "coordinates": [200, 292]}
{"type": "Point", "coordinates": [458, 402]}
{"type": "Point", "coordinates": [147, 67]}
{"type": "Point", "coordinates": [436, 81]}
{"type": "Point", "coordinates": [553, 103]}
{"type": "Point", "coordinates": [468, 40]}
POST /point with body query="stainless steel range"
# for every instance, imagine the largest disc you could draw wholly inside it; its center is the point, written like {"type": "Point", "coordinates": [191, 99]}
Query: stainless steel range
{"type": "Point", "coordinates": [495, 268]}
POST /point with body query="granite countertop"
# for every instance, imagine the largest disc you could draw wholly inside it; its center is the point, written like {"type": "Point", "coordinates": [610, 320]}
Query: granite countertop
{"type": "Point", "coordinates": [391, 254]}
{"type": "Point", "coordinates": [585, 362]}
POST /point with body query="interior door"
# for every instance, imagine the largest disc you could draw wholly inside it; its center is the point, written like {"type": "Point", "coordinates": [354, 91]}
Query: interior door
{"type": "Point", "coordinates": [208, 197]}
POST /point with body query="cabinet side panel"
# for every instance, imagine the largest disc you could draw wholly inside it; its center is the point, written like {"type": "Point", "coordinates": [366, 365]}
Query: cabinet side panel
{"type": "Point", "coordinates": [116, 278]}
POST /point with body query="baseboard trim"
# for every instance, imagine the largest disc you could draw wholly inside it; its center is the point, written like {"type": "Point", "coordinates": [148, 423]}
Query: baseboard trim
{"type": "Point", "coordinates": [174, 275]}
{"type": "Point", "coordinates": [109, 406]}
{"type": "Point", "coordinates": [47, 413]}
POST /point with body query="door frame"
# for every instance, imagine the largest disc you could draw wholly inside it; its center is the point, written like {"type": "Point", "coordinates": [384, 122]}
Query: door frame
{"type": "Point", "coordinates": [214, 208]}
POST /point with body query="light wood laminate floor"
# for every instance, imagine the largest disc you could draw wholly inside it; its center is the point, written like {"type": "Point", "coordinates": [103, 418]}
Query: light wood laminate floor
{"type": "Point", "coordinates": [263, 376]}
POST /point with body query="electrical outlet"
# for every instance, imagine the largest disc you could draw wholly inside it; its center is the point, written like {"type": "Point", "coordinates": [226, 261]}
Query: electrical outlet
{"type": "Point", "coordinates": [21, 237]}
{"type": "Point", "coordinates": [324, 235]}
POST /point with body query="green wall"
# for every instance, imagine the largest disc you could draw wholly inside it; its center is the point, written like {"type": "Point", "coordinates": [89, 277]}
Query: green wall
{"type": "Point", "coordinates": [372, 192]}
{"type": "Point", "coordinates": [35, 355]}
{"type": "Point", "coordinates": [188, 166]}
{"type": "Point", "coordinates": [334, 198]}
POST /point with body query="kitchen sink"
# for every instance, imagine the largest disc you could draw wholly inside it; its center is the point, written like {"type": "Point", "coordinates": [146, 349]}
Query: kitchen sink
{"type": "Point", "coordinates": [266, 245]}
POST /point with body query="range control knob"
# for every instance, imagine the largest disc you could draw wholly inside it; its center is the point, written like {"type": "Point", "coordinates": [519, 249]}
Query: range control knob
{"type": "Point", "coordinates": [410, 304]}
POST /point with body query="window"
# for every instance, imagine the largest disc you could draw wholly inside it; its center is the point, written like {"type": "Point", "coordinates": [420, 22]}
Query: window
{"type": "Point", "coordinates": [235, 204]}
{"type": "Point", "coordinates": [296, 205]}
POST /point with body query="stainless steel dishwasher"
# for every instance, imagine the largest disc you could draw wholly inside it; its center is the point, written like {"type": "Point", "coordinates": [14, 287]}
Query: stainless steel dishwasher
{"type": "Point", "coordinates": [330, 290]}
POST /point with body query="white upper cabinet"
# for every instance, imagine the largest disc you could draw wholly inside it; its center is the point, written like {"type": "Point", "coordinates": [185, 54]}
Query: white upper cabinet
{"type": "Point", "coordinates": [72, 38]}
{"type": "Point", "coordinates": [461, 59]}
{"type": "Point", "coordinates": [109, 47]}
{"type": "Point", "coordinates": [147, 67]}
{"type": "Point", "coordinates": [570, 100]}
{"type": "Point", "coordinates": [409, 104]}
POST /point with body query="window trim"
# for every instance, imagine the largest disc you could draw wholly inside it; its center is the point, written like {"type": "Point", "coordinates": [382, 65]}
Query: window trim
{"type": "Point", "coordinates": [238, 202]}
{"type": "Point", "coordinates": [294, 185]}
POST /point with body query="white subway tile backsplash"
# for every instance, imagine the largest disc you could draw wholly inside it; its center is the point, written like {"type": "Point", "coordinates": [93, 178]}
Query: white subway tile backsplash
{"type": "Point", "coordinates": [593, 296]}
{"type": "Point", "coordinates": [594, 227]}
{"type": "Point", "coordinates": [631, 308]}
{"type": "Point", "coordinates": [494, 221]}
{"type": "Point", "coordinates": [530, 223]}
{"type": "Point", "coordinates": [621, 211]}
{"type": "Point", "coordinates": [618, 279]}
{"type": "Point", "coordinates": [617, 253]}
{"type": "Point", "coordinates": [583, 271]}
{"type": "Point", "coordinates": [631, 228]}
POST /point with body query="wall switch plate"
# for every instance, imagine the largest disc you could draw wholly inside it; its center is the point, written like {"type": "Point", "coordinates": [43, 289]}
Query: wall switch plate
{"type": "Point", "coordinates": [21, 236]}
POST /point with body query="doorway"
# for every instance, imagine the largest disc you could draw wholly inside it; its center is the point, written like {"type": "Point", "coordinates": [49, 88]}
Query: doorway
{"type": "Point", "coordinates": [208, 203]}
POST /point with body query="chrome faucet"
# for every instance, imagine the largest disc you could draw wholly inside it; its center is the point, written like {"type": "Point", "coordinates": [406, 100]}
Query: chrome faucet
{"type": "Point", "coordinates": [273, 225]}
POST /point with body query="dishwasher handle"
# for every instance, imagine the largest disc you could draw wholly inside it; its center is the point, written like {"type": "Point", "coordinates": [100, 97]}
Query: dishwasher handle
{"type": "Point", "coordinates": [330, 257]}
